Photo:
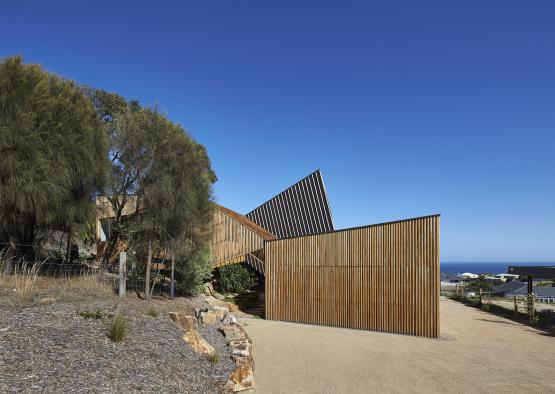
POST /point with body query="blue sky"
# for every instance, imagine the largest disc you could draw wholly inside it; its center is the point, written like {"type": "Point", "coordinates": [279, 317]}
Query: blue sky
{"type": "Point", "coordinates": [408, 108]}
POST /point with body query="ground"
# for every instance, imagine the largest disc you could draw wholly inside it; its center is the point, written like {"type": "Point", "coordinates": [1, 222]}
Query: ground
{"type": "Point", "coordinates": [51, 348]}
{"type": "Point", "coordinates": [477, 353]}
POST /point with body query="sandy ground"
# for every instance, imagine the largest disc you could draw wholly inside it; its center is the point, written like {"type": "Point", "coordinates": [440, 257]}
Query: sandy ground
{"type": "Point", "coordinates": [477, 353]}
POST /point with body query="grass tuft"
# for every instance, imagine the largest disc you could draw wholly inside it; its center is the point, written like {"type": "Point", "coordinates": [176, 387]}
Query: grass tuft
{"type": "Point", "coordinates": [152, 312]}
{"type": "Point", "coordinates": [117, 328]}
{"type": "Point", "coordinates": [91, 315]}
{"type": "Point", "coordinates": [214, 357]}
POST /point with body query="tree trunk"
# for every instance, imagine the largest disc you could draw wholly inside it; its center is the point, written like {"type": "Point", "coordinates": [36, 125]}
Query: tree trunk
{"type": "Point", "coordinates": [147, 273]}
{"type": "Point", "coordinates": [68, 245]}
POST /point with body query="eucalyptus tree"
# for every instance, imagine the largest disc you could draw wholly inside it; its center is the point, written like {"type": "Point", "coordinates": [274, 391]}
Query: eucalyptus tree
{"type": "Point", "coordinates": [52, 150]}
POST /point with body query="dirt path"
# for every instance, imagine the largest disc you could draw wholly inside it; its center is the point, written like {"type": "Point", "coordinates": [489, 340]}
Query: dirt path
{"type": "Point", "coordinates": [478, 353]}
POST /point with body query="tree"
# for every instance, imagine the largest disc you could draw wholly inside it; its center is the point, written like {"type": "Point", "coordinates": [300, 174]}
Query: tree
{"type": "Point", "coordinates": [174, 191]}
{"type": "Point", "coordinates": [53, 154]}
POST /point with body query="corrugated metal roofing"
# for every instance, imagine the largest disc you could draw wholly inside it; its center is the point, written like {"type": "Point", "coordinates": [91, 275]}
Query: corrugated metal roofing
{"type": "Point", "coordinates": [301, 209]}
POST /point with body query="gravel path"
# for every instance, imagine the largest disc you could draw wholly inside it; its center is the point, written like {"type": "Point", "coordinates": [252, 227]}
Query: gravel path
{"type": "Point", "coordinates": [52, 349]}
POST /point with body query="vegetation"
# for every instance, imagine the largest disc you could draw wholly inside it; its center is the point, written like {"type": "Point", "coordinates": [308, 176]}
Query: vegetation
{"type": "Point", "coordinates": [53, 149]}
{"type": "Point", "coordinates": [97, 314]}
{"type": "Point", "coordinates": [152, 312]}
{"type": "Point", "coordinates": [235, 278]}
{"type": "Point", "coordinates": [62, 144]}
{"type": "Point", "coordinates": [214, 357]}
{"type": "Point", "coordinates": [117, 328]}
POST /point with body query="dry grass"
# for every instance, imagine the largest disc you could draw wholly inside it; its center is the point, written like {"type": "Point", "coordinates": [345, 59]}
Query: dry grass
{"type": "Point", "coordinates": [25, 287]}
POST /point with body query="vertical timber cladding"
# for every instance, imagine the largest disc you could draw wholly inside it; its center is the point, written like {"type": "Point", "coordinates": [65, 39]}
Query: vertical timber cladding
{"type": "Point", "coordinates": [382, 277]}
{"type": "Point", "coordinates": [233, 236]}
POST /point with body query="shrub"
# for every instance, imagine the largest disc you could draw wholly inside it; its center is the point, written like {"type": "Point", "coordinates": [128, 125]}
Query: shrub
{"type": "Point", "coordinates": [485, 307]}
{"type": "Point", "coordinates": [192, 272]}
{"type": "Point", "coordinates": [91, 315]}
{"type": "Point", "coordinates": [152, 312]}
{"type": "Point", "coordinates": [235, 278]}
{"type": "Point", "coordinates": [117, 329]}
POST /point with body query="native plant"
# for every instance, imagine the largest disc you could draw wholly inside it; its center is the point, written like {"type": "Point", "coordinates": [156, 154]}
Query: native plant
{"type": "Point", "coordinates": [234, 278]}
{"type": "Point", "coordinates": [52, 148]}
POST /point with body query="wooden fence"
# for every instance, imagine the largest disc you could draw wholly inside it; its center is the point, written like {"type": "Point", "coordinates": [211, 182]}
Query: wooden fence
{"type": "Point", "coordinates": [383, 277]}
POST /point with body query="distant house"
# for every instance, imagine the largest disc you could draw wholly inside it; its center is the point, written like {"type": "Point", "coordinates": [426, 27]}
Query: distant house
{"type": "Point", "coordinates": [469, 275]}
{"type": "Point", "coordinates": [505, 288]}
{"type": "Point", "coordinates": [447, 278]}
{"type": "Point", "coordinates": [541, 293]}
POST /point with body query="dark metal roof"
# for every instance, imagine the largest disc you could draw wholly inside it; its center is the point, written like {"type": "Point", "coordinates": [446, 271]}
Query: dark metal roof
{"type": "Point", "coordinates": [302, 209]}
{"type": "Point", "coordinates": [539, 291]}
{"type": "Point", "coordinates": [509, 287]}
{"type": "Point", "coordinates": [538, 272]}
{"type": "Point", "coordinates": [446, 276]}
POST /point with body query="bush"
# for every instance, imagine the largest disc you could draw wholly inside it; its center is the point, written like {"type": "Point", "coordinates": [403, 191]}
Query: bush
{"type": "Point", "coordinates": [214, 358]}
{"type": "Point", "coordinates": [485, 307]}
{"type": "Point", "coordinates": [152, 312]}
{"type": "Point", "coordinates": [191, 273]}
{"type": "Point", "coordinates": [235, 279]}
{"type": "Point", "coordinates": [117, 329]}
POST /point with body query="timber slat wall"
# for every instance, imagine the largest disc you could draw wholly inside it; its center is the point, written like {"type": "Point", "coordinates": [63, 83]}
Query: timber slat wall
{"type": "Point", "coordinates": [231, 240]}
{"type": "Point", "coordinates": [383, 277]}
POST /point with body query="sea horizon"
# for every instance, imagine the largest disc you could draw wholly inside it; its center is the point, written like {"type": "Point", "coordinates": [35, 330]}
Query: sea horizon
{"type": "Point", "coordinates": [485, 267]}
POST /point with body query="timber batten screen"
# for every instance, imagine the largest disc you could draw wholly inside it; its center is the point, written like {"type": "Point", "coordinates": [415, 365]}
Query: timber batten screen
{"type": "Point", "coordinates": [383, 277]}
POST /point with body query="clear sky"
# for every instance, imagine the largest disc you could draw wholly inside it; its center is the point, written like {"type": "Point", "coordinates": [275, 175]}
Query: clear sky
{"type": "Point", "coordinates": [409, 108]}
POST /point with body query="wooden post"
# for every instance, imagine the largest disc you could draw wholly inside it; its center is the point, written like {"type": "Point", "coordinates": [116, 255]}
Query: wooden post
{"type": "Point", "coordinates": [172, 276]}
{"type": "Point", "coordinates": [122, 273]}
{"type": "Point", "coordinates": [516, 306]}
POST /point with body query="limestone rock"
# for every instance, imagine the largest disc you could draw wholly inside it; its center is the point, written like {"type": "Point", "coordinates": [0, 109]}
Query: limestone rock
{"type": "Point", "coordinates": [242, 377]}
{"type": "Point", "coordinates": [183, 321]}
{"type": "Point", "coordinates": [198, 343]}
{"type": "Point", "coordinates": [234, 332]}
{"type": "Point", "coordinates": [213, 315]}
{"type": "Point", "coordinates": [208, 289]}
{"type": "Point", "coordinates": [240, 348]}
{"type": "Point", "coordinates": [228, 319]}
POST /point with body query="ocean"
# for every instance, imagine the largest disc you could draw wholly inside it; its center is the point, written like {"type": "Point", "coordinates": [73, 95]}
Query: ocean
{"type": "Point", "coordinates": [483, 268]}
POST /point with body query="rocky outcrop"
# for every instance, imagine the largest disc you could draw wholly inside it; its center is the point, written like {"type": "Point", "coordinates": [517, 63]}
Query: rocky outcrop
{"type": "Point", "coordinates": [198, 343]}
{"type": "Point", "coordinates": [209, 291]}
{"type": "Point", "coordinates": [184, 321]}
{"type": "Point", "coordinates": [242, 377]}
{"type": "Point", "coordinates": [189, 324]}
{"type": "Point", "coordinates": [212, 315]}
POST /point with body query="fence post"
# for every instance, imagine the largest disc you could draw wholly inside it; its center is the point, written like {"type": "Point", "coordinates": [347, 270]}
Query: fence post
{"type": "Point", "coordinates": [172, 279]}
{"type": "Point", "coordinates": [122, 273]}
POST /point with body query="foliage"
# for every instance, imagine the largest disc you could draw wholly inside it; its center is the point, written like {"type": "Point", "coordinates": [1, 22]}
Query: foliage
{"type": "Point", "coordinates": [235, 278]}
{"type": "Point", "coordinates": [117, 328]}
{"type": "Point", "coordinates": [214, 357]}
{"type": "Point", "coordinates": [97, 314]}
{"type": "Point", "coordinates": [531, 308]}
{"type": "Point", "coordinates": [485, 307]}
{"type": "Point", "coordinates": [193, 268]}
{"type": "Point", "coordinates": [152, 312]}
{"type": "Point", "coordinates": [52, 149]}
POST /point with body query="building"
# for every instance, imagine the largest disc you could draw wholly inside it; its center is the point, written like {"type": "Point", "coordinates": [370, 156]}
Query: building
{"type": "Point", "coordinates": [382, 277]}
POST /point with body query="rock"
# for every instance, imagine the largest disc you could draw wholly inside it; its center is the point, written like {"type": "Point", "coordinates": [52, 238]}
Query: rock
{"type": "Point", "coordinates": [242, 377]}
{"type": "Point", "coordinates": [215, 314]}
{"type": "Point", "coordinates": [183, 321]}
{"type": "Point", "coordinates": [208, 289]}
{"type": "Point", "coordinates": [240, 348]}
{"type": "Point", "coordinates": [228, 319]}
{"type": "Point", "coordinates": [218, 296]}
{"type": "Point", "coordinates": [198, 343]}
{"type": "Point", "coordinates": [234, 332]}
{"type": "Point", "coordinates": [232, 307]}
{"type": "Point", "coordinates": [242, 360]}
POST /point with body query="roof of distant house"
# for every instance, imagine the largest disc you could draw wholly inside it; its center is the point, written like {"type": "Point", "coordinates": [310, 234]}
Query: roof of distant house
{"type": "Point", "coordinates": [508, 287]}
{"type": "Point", "coordinates": [446, 276]}
{"type": "Point", "coordinates": [539, 291]}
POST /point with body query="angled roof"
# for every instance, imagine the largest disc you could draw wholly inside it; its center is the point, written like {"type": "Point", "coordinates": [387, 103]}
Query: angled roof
{"type": "Point", "coordinates": [539, 291]}
{"type": "Point", "coordinates": [509, 287]}
{"type": "Point", "coordinates": [301, 209]}
{"type": "Point", "coordinates": [263, 233]}
{"type": "Point", "coordinates": [445, 276]}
